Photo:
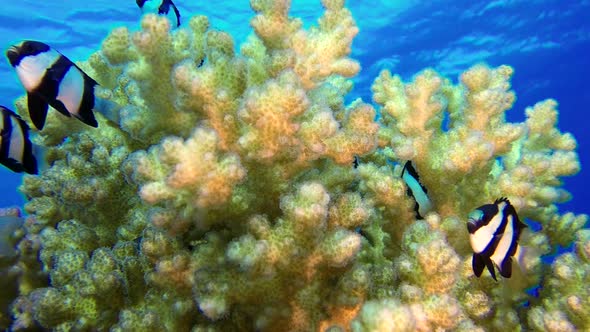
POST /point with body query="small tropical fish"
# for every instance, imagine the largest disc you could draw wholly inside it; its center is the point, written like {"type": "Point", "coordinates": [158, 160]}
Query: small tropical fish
{"type": "Point", "coordinates": [365, 234]}
{"type": "Point", "coordinates": [356, 162]}
{"type": "Point", "coordinates": [163, 9]}
{"type": "Point", "coordinates": [52, 79]}
{"type": "Point", "coordinates": [494, 231]}
{"type": "Point", "coordinates": [416, 190]}
{"type": "Point", "coordinates": [16, 150]}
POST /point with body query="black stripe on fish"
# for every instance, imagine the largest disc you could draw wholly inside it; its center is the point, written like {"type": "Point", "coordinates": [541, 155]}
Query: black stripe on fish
{"type": "Point", "coordinates": [85, 113]}
{"type": "Point", "coordinates": [5, 133]}
{"type": "Point", "coordinates": [48, 89]}
{"type": "Point", "coordinates": [517, 227]}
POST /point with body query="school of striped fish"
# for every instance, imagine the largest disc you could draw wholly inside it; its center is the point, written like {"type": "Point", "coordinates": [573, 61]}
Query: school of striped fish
{"type": "Point", "coordinates": [51, 79]}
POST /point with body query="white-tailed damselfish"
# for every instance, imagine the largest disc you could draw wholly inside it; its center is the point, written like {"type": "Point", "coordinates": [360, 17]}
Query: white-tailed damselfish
{"type": "Point", "coordinates": [494, 231]}
{"type": "Point", "coordinates": [163, 8]}
{"type": "Point", "coordinates": [16, 150]}
{"type": "Point", "coordinates": [416, 190]}
{"type": "Point", "coordinates": [50, 78]}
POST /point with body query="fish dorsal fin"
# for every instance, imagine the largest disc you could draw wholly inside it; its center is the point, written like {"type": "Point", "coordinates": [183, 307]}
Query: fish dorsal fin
{"type": "Point", "coordinates": [502, 199]}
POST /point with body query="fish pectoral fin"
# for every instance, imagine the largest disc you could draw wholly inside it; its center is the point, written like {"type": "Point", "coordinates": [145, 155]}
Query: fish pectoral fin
{"type": "Point", "coordinates": [506, 267]}
{"type": "Point", "coordinates": [478, 264]}
{"type": "Point", "coordinates": [37, 109]}
{"type": "Point", "coordinates": [480, 261]}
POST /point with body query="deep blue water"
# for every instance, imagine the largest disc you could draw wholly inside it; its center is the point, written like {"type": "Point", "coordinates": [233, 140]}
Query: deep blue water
{"type": "Point", "coordinates": [547, 42]}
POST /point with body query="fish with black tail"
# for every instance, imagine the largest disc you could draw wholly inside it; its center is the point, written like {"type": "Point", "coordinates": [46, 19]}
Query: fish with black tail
{"type": "Point", "coordinates": [50, 78]}
{"type": "Point", "coordinates": [494, 232]}
{"type": "Point", "coordinates": [163, 8]}
{"type": "Point", "coordinates": [16, 150]}
{"type": "Point", "coordinates": [356, 162]}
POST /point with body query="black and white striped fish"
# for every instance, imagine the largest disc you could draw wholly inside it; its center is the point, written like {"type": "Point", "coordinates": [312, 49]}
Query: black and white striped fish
{"type": "Point", "coordinates": [416, 190]}
{"type": "Point", "coordinates": [16, 150]}
{"type": "Point", "coordinates": [494, 231]}
{"type": "Point", "coordinates": [162, 9]}
{"type": "Point", "coordinates": [50, 78]}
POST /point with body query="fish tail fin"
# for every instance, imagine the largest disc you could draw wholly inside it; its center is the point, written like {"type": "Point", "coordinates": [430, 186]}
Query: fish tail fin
{"type": "Point", "coordinates": [107, 108]}
{"type": "Point", "coordinates": [519, 256]}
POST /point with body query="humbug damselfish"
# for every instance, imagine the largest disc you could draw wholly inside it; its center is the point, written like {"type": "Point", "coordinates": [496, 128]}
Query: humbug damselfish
{"type": "Point", "coordinates": [416, 190]}
{"type": "Point", "coordinates": [50, 78]}
{"type": "Point", "coordinates": [16, 150]}
{"type": "Point", "coordinates": [163, 8]}
{"type": "Point", "coordinates": [494, 232]}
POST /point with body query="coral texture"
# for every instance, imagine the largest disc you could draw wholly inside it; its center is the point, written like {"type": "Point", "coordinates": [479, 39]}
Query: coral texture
{"type": "Point", "coordinates": [225, 197]}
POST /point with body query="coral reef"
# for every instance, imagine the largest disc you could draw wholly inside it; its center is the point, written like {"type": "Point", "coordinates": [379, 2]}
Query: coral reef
{"type": "Point", "coordinates": [225, 197]}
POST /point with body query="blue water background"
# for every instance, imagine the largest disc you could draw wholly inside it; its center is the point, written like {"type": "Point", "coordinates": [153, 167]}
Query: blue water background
{"type": "Point", "coordinates": [547, 42]}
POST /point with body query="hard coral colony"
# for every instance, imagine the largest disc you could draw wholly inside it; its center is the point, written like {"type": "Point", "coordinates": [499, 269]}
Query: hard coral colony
{"type": "Point", "coordinates": [225, 198]}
